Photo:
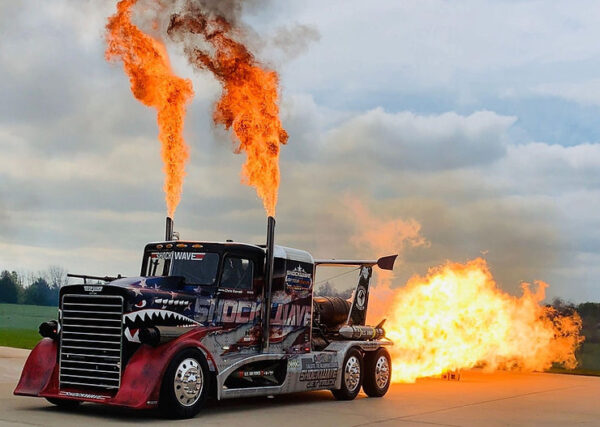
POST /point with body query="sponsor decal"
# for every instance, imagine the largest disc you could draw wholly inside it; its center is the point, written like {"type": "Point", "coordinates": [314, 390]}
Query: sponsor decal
{"type": "Point", "coordinates": [93, 288]}
{"type": "Point", "coordinates": [319, 361]}
{"type": "Point", "coordinates": [298, 279]}
{"type": "Point", "coordinates": [186, 256]}
{"type": "Point", "coordinates": [361, 297]}
{"type": "Point", "coordinates": [240, 311]}
{"type": "Point", "coordinates": [370, 345]}
{"type": "Point", "coordinates": [261, 373]}
{"type": "Point", "coordinates": [291, 315]}
{"type": "Point", "coordinates": [322, 358]}
{"type": "Point", "coordinates": [83, 395]}
{"type": "Point", "coordinates": [319, 371]}
{"type": "Point", "coordinates": [320, 384]}
{"type": "Point", "coordinates": [161, 255]}
{"type": "Point", "coordinates": [189, 256]}
{"type": "Point", "coordinates": [293, 364]}
{"type": "Point", "coordinates": [318, 374]}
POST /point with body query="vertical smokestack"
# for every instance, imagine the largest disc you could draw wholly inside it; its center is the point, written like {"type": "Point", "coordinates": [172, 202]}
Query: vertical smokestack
{"type": "Point", "coordinates": [268, 282]}
{"type": "Point", "coordinates": [169, 229]}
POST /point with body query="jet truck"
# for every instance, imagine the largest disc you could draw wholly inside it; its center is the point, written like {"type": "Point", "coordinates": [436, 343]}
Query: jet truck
{"type": "Point", "coordinates": [205, 319]}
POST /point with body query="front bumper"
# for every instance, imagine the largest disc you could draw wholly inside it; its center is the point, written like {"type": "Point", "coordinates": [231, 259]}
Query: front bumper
{"type": "Point", "coordinates": [140, 382]}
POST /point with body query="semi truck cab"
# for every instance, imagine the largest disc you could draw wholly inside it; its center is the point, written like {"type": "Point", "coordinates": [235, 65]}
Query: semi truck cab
{"type": "Point", "coordinates": [221, 319]}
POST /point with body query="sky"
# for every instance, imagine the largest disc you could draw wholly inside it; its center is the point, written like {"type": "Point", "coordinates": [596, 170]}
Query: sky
{"type": "Point", "coordinates": [478, 120]}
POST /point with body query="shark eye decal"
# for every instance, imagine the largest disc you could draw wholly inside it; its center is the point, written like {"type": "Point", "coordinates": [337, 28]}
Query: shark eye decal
{"type": "Point", "coordinates": [141, 304]}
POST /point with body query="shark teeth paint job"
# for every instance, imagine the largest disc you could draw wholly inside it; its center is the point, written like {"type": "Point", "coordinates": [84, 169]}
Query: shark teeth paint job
{"type": "Point", "coordinates": [151, 314]}
{"type": "Point", "coordinates": [136, 320]}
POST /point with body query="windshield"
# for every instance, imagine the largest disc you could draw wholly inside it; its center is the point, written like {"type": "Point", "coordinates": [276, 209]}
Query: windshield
{"type": "Point", "coordinates": [197, 268]}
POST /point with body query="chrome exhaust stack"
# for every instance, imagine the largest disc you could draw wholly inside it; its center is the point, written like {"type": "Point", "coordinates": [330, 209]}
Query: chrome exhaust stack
{"type": "Point", "coordinates": [268, 281]}
{"type": "Point", "coordinates": [169, 229]}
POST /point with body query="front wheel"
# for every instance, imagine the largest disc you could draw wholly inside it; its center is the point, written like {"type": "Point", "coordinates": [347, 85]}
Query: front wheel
{"type": "Point", "coordinates": [378, 373]}
{"type": "Point", "coordinates": [185, 385]}
{"type": "Point", "coordinates": [351, 376]}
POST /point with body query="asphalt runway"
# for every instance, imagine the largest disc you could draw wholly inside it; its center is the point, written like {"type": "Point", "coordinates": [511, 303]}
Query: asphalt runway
{"type": "Point", "coordinates": [478, 399]}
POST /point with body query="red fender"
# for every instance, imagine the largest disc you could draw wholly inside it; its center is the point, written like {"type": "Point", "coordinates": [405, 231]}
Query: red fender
{"type": "Point", "coordinates": [142, 379]}
{"type": "Point", "coordinates": [140, 382]}
{"type": "Point", "coordinates": [38, 368]}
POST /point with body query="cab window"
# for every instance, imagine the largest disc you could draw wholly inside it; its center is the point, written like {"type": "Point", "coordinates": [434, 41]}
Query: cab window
{"type": "Point", "coordinates": [197, 268]}
{"type": "Point", "coordinates": [237, 273]}
{"type": "Point", "coordinates": [158, 263]}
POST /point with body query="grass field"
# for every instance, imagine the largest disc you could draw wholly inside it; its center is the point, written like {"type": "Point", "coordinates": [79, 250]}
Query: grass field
{"type": "Point", "coordinates": [19, 328]}
{"type": "Point", "coordinates": [19, 324]}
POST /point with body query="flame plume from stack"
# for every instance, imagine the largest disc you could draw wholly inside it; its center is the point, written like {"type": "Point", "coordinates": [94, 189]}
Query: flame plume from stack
{"type": "Point", "coordinates": [249, 103]}
{"type": "Point", "coordinates": [154, 84]}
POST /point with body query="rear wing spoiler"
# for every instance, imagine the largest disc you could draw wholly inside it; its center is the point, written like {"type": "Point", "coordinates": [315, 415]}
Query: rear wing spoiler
{"type": "Point", "coordinates": [385, 263]}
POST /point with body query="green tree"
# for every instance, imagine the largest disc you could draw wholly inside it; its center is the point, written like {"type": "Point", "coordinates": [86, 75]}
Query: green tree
{"type": "Point", "coordinates": [590, 315]}
{"type": "Point", "coordinates": [40, 293]}
{"type": "Point", "coordinates": [9, 287]}
{"type": "Point", "coordinates": [328, 290]}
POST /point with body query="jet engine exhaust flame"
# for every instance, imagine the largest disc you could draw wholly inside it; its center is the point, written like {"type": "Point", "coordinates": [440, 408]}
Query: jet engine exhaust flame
{"type": "Point", "coordinates": [456, 317]}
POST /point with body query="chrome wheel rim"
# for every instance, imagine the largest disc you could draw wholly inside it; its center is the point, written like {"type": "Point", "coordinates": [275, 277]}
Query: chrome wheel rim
{"type": "Point", "coordinates": [189, 381]}
{"type": "Point", "coordinates": [352, 373]}
{"type": "Point", "coordinates": [382, 372]}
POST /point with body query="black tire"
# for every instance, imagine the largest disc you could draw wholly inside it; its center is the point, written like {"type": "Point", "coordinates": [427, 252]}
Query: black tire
{"type": "Point", "coordinates": [192, 395]}
{"type": "Point", "coordinates": [350, 383]}
{"type": "Point", "coordinates": [63, 403]}
{"type": "Point", "coordinates": [378, 373]}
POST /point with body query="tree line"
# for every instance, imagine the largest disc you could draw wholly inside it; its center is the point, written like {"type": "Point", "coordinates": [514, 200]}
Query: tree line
{"type": "Point", "coordinates": [590, 317]}
{"type": "Point", "coordinates": [36, 289]}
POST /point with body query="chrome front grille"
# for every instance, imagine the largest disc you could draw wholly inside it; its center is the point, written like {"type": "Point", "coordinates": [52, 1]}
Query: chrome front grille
{"type": "Point", "coordinates": [91, 341]}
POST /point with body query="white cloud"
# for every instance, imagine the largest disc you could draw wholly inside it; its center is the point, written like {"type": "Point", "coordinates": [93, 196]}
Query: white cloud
{"type": "Point", "coordinates": [415, 142]}
{"type": "Point", "coordinates": [583, 92]}
{"type": "Point", "coordinates": [401, 46]}
{"type": "Point", "coordinates": [81, 184]}
{"type": "Point", "coordinates": [540, 168]}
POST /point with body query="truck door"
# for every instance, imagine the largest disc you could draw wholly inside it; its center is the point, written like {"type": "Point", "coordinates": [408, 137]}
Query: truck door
{"type": "Point", "coordinates": [291, 309]}
{"type": "Point", "coordinates": [238, 302]}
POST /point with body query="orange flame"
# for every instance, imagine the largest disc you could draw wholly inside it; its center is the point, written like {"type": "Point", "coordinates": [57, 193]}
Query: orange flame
{"type": "Point", "coordinates": [154, 84]}
{"type": "Point", "coordinates": [385, 237]}
{"type": "Point", "coordinates": [249, 103]}
{"type": "Point", "coordinates": [456, 317]}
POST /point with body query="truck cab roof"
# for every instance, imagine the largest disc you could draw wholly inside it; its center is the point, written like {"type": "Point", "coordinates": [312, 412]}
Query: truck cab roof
{"type": "Point", "coordinates": [220, 247]}
{"type": "Point", "coordinates": [209, 263]}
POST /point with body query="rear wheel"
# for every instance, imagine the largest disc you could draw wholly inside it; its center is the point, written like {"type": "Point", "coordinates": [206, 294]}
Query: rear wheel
{"type": "Point", "coordinates": [64, 403]}
{"type": "Point", "coordinates": [378, 373]}
{"type": "Point", "coordinates": [185, 385]}
{"type": "Point", "coordinates": [352, 373]}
